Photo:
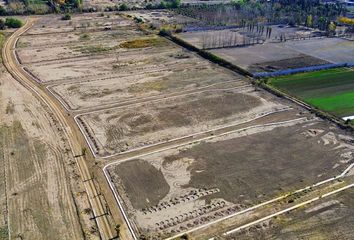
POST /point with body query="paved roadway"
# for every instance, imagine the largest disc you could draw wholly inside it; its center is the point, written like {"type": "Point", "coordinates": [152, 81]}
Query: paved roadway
{"type": "Point", "coordinates": [26, 80]}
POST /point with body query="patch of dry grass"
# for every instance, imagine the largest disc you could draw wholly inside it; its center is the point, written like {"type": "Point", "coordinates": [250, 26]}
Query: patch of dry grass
{"type": "Point", "coordinates": [143, 43]}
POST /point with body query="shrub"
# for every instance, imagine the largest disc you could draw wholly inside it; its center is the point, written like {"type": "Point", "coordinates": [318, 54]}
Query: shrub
{"type": "Point", "coordinates": [123, 7]}
{"type": "Point", "coordinates": [2, 11]}
{"type": "Point", "coordinates": [2, 24]}
{"type": "Point", "coordinates": [13, 22]}
{"type": "Point", "coordinates": [67, 16]}
{"type": "Point", "coordinates": [138, 20]}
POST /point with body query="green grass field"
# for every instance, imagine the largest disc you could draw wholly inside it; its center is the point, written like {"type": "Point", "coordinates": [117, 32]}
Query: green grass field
{"type": "Point", "coordinates": [330, 90]}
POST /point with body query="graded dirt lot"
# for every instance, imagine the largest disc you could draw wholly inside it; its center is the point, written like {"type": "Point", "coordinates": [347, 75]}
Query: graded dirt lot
{"type": "Point", "coordinates": [82, 22]}
{"type": "Point", "coordinates": [290, 54]}
{"type": "Point", "coordinates": [40, 48]}
{"type": "Point", "coordinates": [331, 218]}
{"type": "Point", "coordinates": [85, 73]}
{"type": "Point", "coordinates": [267, 57]}
{"type": "Point", "coordinates": [138, 74]}
{"type": "Point", "coordinates": [121, 129]}
{"type": "Point", "coordinates": [335, 50]}
{"type": "Point", "coordinates": [222, 175]}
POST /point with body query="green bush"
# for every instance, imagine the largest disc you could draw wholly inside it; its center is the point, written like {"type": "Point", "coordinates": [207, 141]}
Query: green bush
{"type": "Point", "coordinates": [123, 7]}
{"type": "Point", "coordinates": [2, 11]}
{"type": "Point", "coordinates": [13, 22]}
{"type": "Point", "coordinates": [67, 16]}
{"type": "Point", "coordinates": [2, 24]}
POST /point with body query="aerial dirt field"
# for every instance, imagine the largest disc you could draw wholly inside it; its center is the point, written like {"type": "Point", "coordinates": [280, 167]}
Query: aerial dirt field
{"type": "Point", "coordinates": [139, 74]}
{"type": "Point", "coordinates": [41, 197]}
{"type": "Point", "coordinates": [84, 72]}
{"type": "Point", "coordinates": [204, 181]}
{"type": "Point", "coordinates": [330, 218]}
{"type": "Point", "coordinates": [83, 22]}
{"type": "Point", "coordinates": [181, 140]}
{"type": "Point", "coordinates": [121, 129]}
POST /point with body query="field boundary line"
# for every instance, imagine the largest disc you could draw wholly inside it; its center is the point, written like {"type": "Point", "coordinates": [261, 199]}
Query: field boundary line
{"type": "Point", "coordinates": [266, 203]}
{"type": "Point", "coordinates": [289, 209]}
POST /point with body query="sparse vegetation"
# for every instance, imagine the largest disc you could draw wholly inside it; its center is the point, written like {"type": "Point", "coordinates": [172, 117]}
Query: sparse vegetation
{"type": "Point", "coordinates": [143, 43]}
{"type": "Point", "coordinates": [123, 7]}
{"type": "Point", "coordinates": [2, 24]}
{"type": "Point", "coordinates": [93, 48]}
{"type": "Point", "coordinates": [4, 233]}
{"type": "Point", "coordinates": [84, 37]}
{"type": "Point", "coordinates": [67, 16]}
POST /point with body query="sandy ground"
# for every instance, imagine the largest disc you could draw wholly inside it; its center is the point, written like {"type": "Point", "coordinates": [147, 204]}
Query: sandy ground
{"type": "Point", "coordinates": [37, 171]}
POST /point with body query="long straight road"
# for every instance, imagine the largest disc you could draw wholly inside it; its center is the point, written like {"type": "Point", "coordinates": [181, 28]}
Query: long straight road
{"type": "Point", "coordinates": [26, 80]}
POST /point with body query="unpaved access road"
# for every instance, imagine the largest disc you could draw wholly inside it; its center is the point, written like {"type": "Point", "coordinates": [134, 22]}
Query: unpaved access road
{"type": "Point", "coordinates": [26, 80]}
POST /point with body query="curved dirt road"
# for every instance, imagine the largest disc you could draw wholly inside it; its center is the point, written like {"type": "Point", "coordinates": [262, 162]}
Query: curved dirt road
{"type": "Point", "coordinates": [26, 80]}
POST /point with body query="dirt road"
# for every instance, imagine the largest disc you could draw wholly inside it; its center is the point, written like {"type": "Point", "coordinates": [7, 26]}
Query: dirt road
{"type": "Point", "coordinates": [26, 80]}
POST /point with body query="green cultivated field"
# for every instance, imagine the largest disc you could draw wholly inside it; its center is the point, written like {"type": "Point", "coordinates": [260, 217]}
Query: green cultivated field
{"type": "Point", "coordinates": [330, 90]}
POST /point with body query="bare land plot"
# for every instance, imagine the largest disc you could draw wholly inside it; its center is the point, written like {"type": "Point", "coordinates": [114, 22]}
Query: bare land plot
{"type": "Point", "coordinates": [78, 37]}
{"type": "Point", "coordinates": [51, 47]}
{"type": "Point", "coordinates": [81, 22]}
{"type": "Point", "coordinates": [124, 61]}
{"type": "Point", "coordinates": [118, 130]}
{"type": "Point", "coordinates": [330, 218]}
{"type": "Point", "coordinates": [219, 176]}
{"type": "Point", "coordinates": [335, 50]}
{"type": "Point", "coordinates": [267, 57]}
{"type": "Point", "coordinates": [134, 74]}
